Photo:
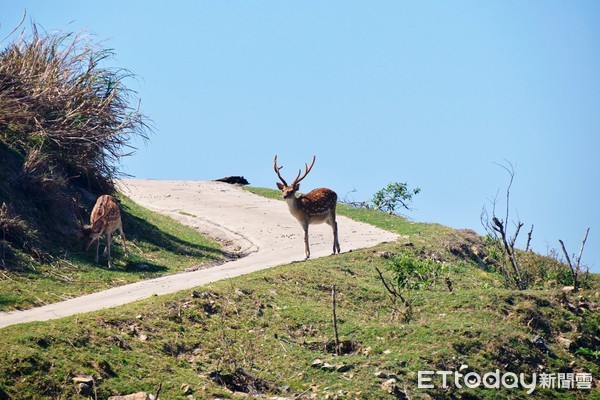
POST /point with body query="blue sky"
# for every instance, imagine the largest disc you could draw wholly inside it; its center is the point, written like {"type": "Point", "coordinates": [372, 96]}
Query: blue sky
{"type": "Point", "coordinates": [432, 93]}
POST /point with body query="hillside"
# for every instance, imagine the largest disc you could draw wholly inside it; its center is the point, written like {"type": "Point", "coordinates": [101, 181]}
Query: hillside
{"type": "Point", "coordinates": [363, 324]}
{"type": "Point", "coordinates": [271, 332]}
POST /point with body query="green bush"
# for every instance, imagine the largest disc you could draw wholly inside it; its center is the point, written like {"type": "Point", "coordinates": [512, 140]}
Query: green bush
{"type": "Point", "coordinates": [414, 273]}
{"type": "Point", "coordinates": [393, 196]}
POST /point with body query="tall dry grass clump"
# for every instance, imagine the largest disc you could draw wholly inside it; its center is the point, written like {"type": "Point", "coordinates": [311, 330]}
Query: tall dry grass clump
{"type": "Point", "coordinates": [66, 112]}
{"type": "Point", "coordinates": [68, 118]}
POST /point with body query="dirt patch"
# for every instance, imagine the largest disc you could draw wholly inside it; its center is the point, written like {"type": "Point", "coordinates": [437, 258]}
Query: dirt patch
{"type": "Point", "coordinates": [347, 347]}
{"type": "Point", "coordinates": [245, 382]}
{"type": "Point", "coordinates": [466, 244]}
{"type": "Point", "coordinates": [518, 355]}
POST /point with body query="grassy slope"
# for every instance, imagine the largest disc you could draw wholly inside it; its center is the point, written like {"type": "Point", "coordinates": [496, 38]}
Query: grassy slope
{"type": "Point", "coordinates": [157, 244]}
{"type": "Point", "coordinates": [276, 322]}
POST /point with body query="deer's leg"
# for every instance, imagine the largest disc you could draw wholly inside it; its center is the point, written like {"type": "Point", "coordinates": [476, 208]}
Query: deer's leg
{"type": "Point", "coordinates": [107, 238]}
{"type": "Point", "coordinates": [123, 238]}
{"type": "Point", "coordinates": [336, 242]}
{"type": "Point", "coordinates": [306, 246]}
{"type": "Point", "coordinates": [97, 249]}
{"type": "Point", "coordinates": [108, 243]}
{"type": "Point", "coordinates": [332, 222]}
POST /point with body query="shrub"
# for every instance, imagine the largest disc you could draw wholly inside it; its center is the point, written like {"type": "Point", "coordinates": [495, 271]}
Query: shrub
{"type": "Point", "coordinates": [66, 113]}
{"type": "Point", "coordinates": [414, 273]}
{"type": "Point", "coordinates": [393, 196]}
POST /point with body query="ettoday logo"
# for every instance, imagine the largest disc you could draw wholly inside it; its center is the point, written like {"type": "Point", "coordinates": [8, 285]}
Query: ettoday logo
{"type": "Point", "coordinates": [507, 380]}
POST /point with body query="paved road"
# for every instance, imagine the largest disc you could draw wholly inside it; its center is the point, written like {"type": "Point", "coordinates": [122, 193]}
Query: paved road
{"type": "Point", "coordinates": [244, 223]}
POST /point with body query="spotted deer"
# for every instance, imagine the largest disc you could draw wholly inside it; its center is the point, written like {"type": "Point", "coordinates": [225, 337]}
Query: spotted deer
{"type": "Point", "coordinates": [315, 207]}
{"type": "Point", "coordinates": [105, 219]}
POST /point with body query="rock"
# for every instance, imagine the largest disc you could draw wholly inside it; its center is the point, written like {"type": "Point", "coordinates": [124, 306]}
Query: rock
{"type": "Point", "coordinates": [564, 342]}
{"type": "Point", "coordinates": [385, 254]}
{"type": "Point", "coordinates": [85, 389]}
{"type": "Point", "coordinates": [134, 396]}
{"type": "Point", "coordinates": [328, 367]}
{"type": "Point", "coordinates": [234, 180]}
{"type": "Point", "coordinates": [88, 379]}
{"type": "Point", "coordinates": [540, 342]}
{"type": "Point", "coordinates": [381, 374]}
{"type": "Point", "coordinates": [391, 387]}
{"type": "Point", "coordinates": [318, 363]}
{"type": "Point", "coordinates": [568, 289]}
{"type": "Point", "coordinates": [186, 389]}
{"type": "Point", "coordinates": [344, 367]}
{"type": "Point", "coordinates": [283, 389]}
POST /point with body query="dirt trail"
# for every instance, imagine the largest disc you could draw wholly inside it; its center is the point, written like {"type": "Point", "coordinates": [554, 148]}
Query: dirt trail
{"type": "Point", "coordinates": [262, 229]}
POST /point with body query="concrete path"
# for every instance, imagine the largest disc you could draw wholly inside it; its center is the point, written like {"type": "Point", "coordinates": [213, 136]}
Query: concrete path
{"type": "Point", "coordinates": [246, 224]}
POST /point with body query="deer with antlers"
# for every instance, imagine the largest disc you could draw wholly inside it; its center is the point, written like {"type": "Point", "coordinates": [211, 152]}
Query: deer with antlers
{"type": "Point", "coordinates": [105, 219]}
{"type": "Point", "coordinates": [315, 207]}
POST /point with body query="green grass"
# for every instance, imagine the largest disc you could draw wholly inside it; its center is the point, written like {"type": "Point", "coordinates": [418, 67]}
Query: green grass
{"type": "Point", "coordinates": [158, 245]}
{"type": "Point", "coordinates": [274, 323]}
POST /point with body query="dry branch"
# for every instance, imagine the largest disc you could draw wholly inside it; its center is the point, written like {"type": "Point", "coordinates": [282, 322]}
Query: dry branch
{"type": "Point", "coordinates": [498, 230]}
{"type": "Point", "coordinates": [334, 316]}
{"type": "Point", "coordinates": [576, 268]}
{"type": "Point", "coordinates": [529, 238]}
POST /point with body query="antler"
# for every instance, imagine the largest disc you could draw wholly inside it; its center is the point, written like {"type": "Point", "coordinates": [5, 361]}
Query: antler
{"type": "Point", "coordinates": [298, 178]}
{"type": "Point", "coordinates": [277, 170]}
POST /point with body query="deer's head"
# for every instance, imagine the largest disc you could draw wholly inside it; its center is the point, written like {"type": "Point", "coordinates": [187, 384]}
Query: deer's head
{"type": "Point", "coordinates": [86, 233]}
{"type": "Point", "coordinates": [289, 191]}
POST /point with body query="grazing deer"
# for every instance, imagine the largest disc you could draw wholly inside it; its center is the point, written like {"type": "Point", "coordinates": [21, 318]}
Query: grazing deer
{"type": "Point", "coordinates": [105, 219]}
{"type": "Point", "coordinates": [315, 207]}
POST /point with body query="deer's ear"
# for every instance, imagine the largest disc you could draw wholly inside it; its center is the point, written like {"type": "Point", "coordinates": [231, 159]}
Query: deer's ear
{"type": "Point", "coordinates": [280, 186]}
{"type": "Point", "coordinates": [296, 187]}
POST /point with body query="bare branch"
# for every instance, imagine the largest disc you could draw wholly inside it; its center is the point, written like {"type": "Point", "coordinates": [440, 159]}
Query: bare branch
{"type": "Point", "coordinates": [158, 388]}
{"type": "Point", "coordinates": [566, 254]}
{"type": "Point", "coordinates": [574, 271]}
{"type": "Point", "coordinates": [514, 238]}
{"type": "Point", "coordinates": [390, 290]}
{"type": "Point", "coordinates": [393, 292]}
{"type": "Point", "coordinates": [582, 246]}
{"type": "Point", "coordinates": [334, 317]}
{"type": "Point", "coordinates": [499, 228]}
{"type": "Point", "coordinates": [511, 172]}
{"type": "Point", "coordinates": [529, 238]}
